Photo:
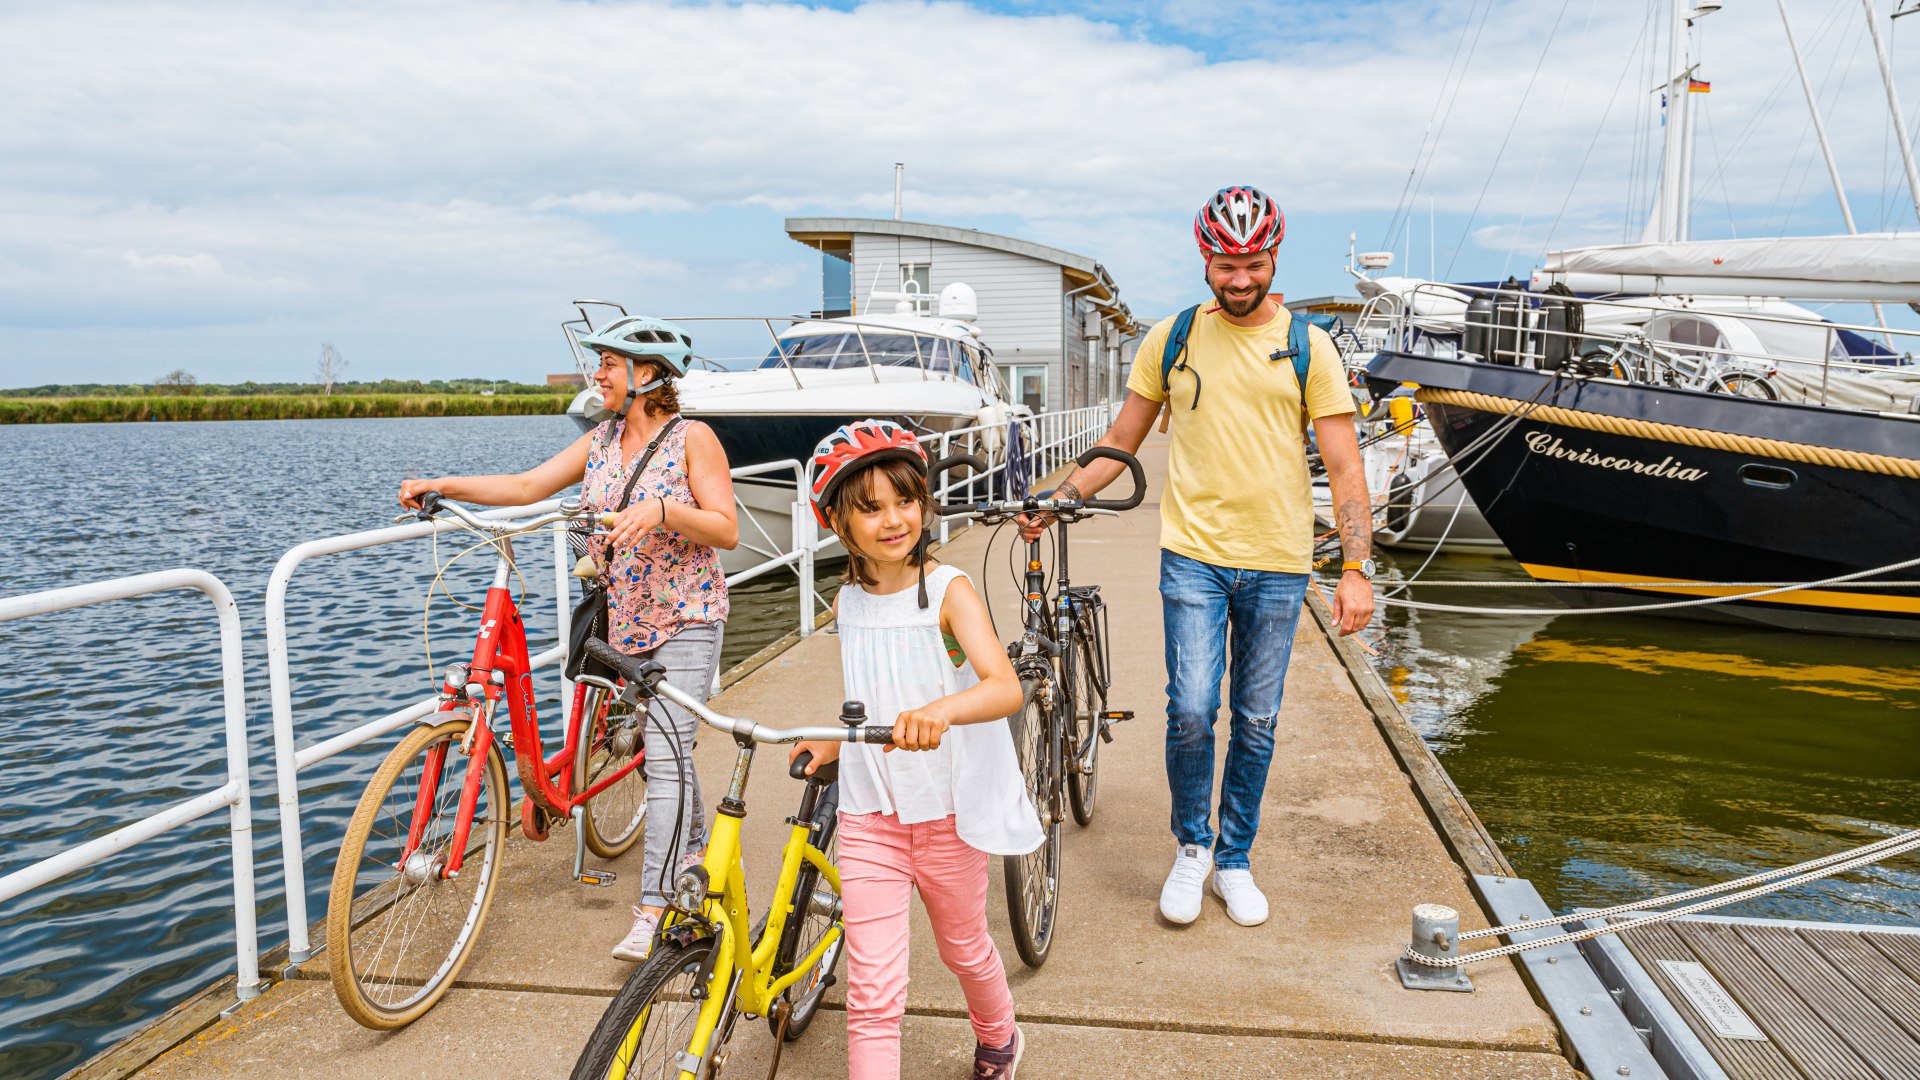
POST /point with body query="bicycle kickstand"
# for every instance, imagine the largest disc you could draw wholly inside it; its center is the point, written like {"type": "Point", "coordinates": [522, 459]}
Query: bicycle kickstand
{"type": "Point", "coordinates": [581, 874]}
{"type": "Point", "coordinates": [782, 1012]}
{"type": "Point", "coordinates": [1110, 718]}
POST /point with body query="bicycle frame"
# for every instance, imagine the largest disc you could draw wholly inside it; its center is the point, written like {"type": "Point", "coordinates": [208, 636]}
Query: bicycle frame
{"type": "Point", "coordinates": [501, 668]}
{"type": "Point", "coordinates": [725, 913]}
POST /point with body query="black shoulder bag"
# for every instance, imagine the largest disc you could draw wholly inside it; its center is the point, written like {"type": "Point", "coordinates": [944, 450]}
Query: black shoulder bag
{"type": "Point", "coordinates": [590, 614]}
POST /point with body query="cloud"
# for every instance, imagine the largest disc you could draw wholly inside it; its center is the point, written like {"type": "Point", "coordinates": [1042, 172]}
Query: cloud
{"type": "Point", "coordinates": [337, 164]}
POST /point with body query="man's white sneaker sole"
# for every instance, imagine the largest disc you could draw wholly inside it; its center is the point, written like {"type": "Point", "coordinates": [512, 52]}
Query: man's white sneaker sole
{"type": "Point", "coordinates": [1244, 918]}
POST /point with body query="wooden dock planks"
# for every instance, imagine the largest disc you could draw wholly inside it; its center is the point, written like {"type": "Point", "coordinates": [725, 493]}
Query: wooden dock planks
{"type": "Point", "coordinates": [1833, 1002]}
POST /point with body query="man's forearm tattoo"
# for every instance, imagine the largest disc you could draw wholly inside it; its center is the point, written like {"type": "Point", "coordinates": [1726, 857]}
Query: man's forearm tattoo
{"type": "Point", "coordinates": [1356, 530]}
{"type": "Point", "coordinates": [1068, 490]}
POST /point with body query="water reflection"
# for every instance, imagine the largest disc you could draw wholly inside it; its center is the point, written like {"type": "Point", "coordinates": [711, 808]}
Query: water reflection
{"type": "Point", "coordinates": [1616, 757]}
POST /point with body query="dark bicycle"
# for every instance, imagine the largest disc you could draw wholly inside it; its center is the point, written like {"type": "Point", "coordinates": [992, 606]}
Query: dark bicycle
{"type": "Point", "coordinates": [1061, 658]}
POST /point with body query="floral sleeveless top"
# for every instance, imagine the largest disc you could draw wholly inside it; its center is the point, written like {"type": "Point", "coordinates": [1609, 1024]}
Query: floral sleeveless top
{"type": "Point", "coordinates": [666, 581]}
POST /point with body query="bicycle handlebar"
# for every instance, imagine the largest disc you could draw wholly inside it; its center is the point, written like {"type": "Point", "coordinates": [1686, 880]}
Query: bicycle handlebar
{"type": "Point", "coordinates": [1052, 506]}
{"type": "Point", "coordinates": [649, 679]}
{"type": "Point", "coordinates": [432, 503]}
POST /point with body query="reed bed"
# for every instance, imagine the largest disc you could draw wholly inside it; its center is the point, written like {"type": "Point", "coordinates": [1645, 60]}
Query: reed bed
{"type": "Point", "coordinates": [96, 410]}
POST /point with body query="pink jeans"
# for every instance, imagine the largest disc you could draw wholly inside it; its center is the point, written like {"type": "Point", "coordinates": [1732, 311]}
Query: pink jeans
{"type": "Point", "coordinates": [881, 863]}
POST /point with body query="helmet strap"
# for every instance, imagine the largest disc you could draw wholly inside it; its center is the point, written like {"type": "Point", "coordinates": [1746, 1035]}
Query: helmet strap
{"type": "Point", "coordinates": [920, 557]}
{"type": "Point", "coordinates": [634, 392]}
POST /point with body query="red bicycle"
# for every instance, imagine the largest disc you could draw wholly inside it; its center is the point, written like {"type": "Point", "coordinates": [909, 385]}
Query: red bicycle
{"type": "Point", "coordinates": [421, 857]}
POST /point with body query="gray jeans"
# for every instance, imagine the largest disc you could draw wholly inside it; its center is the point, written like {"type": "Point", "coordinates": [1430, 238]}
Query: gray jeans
{"type": "Point", "coordinates": [691, 658]}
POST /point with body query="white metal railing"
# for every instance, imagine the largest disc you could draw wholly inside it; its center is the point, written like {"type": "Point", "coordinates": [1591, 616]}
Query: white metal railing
{"type": "Point", "coordinates": [233, 794]}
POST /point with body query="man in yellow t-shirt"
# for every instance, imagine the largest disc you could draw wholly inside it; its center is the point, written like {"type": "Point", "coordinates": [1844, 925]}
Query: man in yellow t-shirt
{"type": "Point", "coordinates": [1236, 534]}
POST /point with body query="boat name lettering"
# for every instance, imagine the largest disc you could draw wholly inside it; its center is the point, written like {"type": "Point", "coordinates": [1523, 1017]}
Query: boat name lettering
{"type": "Point", "coordinates": [1546, 442]}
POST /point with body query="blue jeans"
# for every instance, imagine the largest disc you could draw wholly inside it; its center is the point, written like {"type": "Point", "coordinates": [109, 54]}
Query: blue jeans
{"type": "Point", "coordinates": [1205, 607]}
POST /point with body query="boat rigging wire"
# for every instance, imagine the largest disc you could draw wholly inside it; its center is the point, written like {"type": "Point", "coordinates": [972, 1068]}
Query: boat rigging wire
{"type": "Point", "coordinates": [1599, 129]}
{"type": "Point", "coordinates": [1410, 190]}
{"type": "Point", "coordinates": [1494, 169]}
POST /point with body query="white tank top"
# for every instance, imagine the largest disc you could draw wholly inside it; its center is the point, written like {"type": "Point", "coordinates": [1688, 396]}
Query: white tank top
{"type": "Point", "coordinates": [893, 658]}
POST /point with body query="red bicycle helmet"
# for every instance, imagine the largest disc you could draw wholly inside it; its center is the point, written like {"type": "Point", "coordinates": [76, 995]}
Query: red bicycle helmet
{"type": "Point", "coordinates": [1239, 220]}
{"type": "Point", "coordinates": [862, 442]}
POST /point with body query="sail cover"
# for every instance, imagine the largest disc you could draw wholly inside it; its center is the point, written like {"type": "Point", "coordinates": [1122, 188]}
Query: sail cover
{"type": "Point", "coordinates": [1871, 266]}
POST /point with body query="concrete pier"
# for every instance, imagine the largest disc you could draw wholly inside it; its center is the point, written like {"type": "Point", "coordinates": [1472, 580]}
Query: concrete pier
{"type": "Point", "coordinates": [1347, 847]}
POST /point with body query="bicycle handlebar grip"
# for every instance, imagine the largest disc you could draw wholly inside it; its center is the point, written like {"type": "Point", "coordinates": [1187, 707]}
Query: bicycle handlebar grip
{"type": "Point", "coordinates": [972, 461]}
{"type": "Point", "coordinates": [874, 735]}
{"type": "Point", "coordinates": [429, 504]}
{"type": "Point", "coordinates": [1133, 466]}
{"type": "Point", "coordinates": [637, 672]}
{"type": "Point", "coordinates": [798, 768]}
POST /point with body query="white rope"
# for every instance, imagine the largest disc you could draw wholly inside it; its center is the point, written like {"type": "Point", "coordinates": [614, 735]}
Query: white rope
{"type": "Point", "coordinates": [1811, 870]}
{"type": "Point", "coordinates": [1418, 605]}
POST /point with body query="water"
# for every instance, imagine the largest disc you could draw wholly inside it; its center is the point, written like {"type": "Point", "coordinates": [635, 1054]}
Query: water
{"type": "Point", "coordinates": [113, 712]}
{"type": "Point", "coordinates": [1618, 757]}
{"type": "Point", "coordinates": [1612, 758]}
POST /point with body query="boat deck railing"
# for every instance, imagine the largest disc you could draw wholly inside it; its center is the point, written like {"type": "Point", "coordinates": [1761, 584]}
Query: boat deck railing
{"type": "Point", "coordinates": [1550, 331]}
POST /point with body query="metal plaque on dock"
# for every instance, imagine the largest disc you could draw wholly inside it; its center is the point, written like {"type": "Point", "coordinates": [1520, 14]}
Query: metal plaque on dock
{"type": "Point", "coordinates": [1712, 1001]}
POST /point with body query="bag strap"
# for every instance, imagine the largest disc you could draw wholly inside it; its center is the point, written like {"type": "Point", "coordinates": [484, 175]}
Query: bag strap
{"type": "Point", "coordinates": [645, 456]}
{"type": "Point", "coordinates": [1175, 346]}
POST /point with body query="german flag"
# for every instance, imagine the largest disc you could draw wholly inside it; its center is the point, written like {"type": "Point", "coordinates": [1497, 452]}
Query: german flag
{"type": "Point", "coordinates": [1699, 86]}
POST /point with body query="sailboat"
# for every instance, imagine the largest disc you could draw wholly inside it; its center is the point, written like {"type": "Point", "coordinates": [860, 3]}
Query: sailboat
{"type": "Point", "coordinates": [1676, 438]}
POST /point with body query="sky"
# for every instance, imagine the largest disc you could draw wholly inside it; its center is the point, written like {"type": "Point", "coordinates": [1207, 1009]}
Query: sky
{"type": "Point", "coordinates": [220, 188]}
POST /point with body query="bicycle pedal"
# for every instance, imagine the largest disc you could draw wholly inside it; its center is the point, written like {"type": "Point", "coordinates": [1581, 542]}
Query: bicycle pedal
{"type": "Point", "coordinates": [1108, 719]}
{"type": "Point", "coordinates": [602, 878]}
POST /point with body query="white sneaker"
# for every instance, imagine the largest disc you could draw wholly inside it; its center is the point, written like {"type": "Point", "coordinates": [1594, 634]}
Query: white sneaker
{"type": "Point", "coordinates": [1246, 904]}
{"type": "Point", "coordinates": [639, 940]}
{"type": "Point", "coordinates": [1186, 882]}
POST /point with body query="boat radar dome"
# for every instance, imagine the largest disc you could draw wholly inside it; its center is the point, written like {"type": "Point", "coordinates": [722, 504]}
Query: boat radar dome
{"type": "Point", "coordinates": [1376, 260]}
{"type": "Point", "coordinates": [957, 301]}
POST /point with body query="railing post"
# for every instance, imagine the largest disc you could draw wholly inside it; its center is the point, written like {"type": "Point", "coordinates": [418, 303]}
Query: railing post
{"type": "Point", "coordinates": [803, 540]}
{"type": "Point", "coordinates": [285, 770]}
{"type": "Point", "coordinates": [563, 612]}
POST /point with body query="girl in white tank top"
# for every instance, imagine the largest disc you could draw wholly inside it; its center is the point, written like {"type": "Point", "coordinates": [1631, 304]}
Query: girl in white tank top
{"type": "Point", "coordinates": [918, 650]}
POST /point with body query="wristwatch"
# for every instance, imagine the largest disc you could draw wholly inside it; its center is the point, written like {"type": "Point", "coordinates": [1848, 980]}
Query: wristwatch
{"type": "Point", "coordinates": [1365, 566]}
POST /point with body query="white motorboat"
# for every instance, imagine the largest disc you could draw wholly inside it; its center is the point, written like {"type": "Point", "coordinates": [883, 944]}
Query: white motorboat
{"type": "Point", "coordinates": [930, 373]}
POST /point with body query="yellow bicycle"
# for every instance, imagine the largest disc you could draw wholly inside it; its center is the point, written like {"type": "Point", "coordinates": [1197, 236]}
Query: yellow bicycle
{"type": "Point", "coordinates": [710, 965]}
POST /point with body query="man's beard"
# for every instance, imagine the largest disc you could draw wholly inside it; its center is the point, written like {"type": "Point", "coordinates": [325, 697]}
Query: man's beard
{"type": "Point", "coordinates": [1240, 309]}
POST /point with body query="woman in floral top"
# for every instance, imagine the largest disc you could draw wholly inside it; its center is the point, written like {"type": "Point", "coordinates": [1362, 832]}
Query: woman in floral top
{"type": "Point", "coordinates": [668, 596]}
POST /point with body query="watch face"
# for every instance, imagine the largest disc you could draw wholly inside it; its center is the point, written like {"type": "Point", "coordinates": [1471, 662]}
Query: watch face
{"type": "Point", "coordinates": [1367, 567]}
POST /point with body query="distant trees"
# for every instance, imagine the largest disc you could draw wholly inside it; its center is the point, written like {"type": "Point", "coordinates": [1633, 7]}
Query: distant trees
{"type": "Point", "coordinates": [331, 365]}
{"type": "Point", "coordinates": [176, 382]}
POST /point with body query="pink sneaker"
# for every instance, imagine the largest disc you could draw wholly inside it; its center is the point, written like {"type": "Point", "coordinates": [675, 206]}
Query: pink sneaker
{"type": "Point", "coordinates": [639, 940]}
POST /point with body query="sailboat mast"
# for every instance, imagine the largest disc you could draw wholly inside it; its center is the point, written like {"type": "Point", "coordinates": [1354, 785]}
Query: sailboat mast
{"type": "Point", "coordinates": [1893, 103]}
{"type": "Point", "coordinates": [1668, 222]}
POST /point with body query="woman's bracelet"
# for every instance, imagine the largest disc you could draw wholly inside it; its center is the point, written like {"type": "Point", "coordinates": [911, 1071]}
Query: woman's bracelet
{"type": "Point", "coordinates": [663, 513]}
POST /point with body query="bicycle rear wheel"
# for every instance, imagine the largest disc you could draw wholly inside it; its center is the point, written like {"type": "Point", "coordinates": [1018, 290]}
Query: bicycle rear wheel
{"type": "Point", "coordinates": [398, 933]}
{"type": "Point", "coordinates": [610, 738]}
{"type": "Point", "coordinates": [816, 910]}
{"type": "Point", "coordinates": [651, 1020]}
{"type": "Point", "coordinates": [1033, 879]}
{"type": "Point", "coordinates": [1082, 751]}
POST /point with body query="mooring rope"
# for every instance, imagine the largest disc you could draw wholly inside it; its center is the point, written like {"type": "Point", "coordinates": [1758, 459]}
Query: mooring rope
{"type": "Point", "coordinates": [1857, 460]}
{"type": "Point", "coordinates": [1750, 887]}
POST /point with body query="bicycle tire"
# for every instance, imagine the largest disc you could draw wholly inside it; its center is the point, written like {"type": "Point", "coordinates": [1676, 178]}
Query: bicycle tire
{"type": "Point", "coordinates": [1088, 701]}
{"type": "Point", "coordinates": [1033, 879]}
{"type": "Point", "coordinates": [615, 818]}
{"type": "Point", "coordinates": [635, 1038]}
{"type": "Point", "coordinates": [804, 928]}
{"type": "Point", "coordinates": [1741, 384]}
{"type": "Point", "coordinates": [370, 971]}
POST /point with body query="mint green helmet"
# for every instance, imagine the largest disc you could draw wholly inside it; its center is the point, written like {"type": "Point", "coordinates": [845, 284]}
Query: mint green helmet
{"type": "Point", "coordinates": [640, 338]}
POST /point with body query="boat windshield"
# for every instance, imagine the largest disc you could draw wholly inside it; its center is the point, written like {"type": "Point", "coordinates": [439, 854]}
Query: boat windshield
{"type": "Point", "coordinates": [884, 349]}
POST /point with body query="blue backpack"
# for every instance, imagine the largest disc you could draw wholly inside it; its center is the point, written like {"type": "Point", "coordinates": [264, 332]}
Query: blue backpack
{"type": "Point", "coordinates": [1299, 349]}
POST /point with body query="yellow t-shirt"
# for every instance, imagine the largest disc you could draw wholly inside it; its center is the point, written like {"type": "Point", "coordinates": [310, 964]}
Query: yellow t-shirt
{"type": "Point", "coordinates": [1238, 494]}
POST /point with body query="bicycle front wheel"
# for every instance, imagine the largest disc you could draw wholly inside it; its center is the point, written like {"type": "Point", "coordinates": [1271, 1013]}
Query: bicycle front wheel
{"type": "Point", "coordinates": [1033, 879]}
{"type": "Point", "coordinates": [609, 739]}
{"type": "Point", "coordinates": [1082, 750]}
{"type": "Point", "coordinates": [399, 930]}
{"type": "Point", "coordinates": [651, 1020]}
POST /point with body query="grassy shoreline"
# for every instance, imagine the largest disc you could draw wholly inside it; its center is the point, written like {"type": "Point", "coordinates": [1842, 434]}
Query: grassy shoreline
{"type": "Point", "coordinates": [106, 410]}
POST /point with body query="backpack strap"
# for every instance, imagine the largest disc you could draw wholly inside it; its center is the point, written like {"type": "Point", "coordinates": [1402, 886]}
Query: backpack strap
{"type": "Point", "coordinates": [1174, 350]}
